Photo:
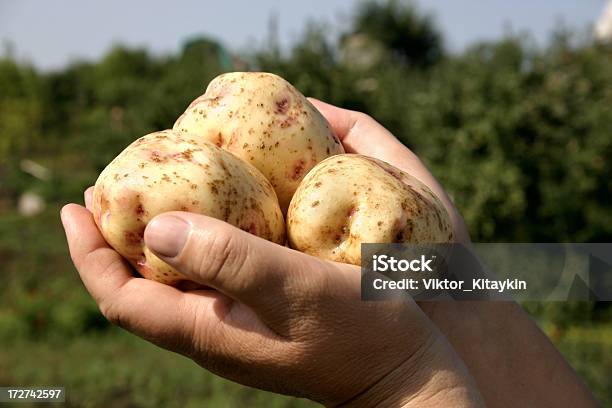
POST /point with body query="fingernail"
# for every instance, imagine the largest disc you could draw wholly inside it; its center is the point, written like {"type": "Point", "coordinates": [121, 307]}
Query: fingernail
{"type": "Point", "coordinates": [62, 214]}
{"type": "Point", "coordinates": [88, 195]}
{"type": "Point", "coordinates": [166, 235]}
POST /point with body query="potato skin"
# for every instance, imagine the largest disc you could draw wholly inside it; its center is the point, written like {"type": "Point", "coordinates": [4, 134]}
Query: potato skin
{"type": "Point", "coordinates": [165, 171]}
{"type": "Point", "coordinates": [262, 119]}
{"type": "Point", "coordinates": [350, 199]}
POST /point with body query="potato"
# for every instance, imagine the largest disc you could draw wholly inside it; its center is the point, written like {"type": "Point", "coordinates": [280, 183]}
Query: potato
{"type": "Point", "coordinates": [165, 171]}
{"type": "Point", "coordinates": [351, 199]}
{"type": "Point", "coordinates": [264, 120]}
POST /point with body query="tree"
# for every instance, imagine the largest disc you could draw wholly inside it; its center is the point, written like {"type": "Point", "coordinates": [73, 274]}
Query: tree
{"type": "Point", "coordinates": [411, 36]}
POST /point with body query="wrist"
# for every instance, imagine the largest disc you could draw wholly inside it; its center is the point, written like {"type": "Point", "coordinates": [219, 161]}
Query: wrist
{"type": "Point", "coordinates": [505, 351]}
{"type": "Point", "coordinates": [434, 376]}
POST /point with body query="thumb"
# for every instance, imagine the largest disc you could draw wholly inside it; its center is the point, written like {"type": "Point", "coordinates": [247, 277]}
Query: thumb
{"type": "Point", "coordinates": [263, 275]}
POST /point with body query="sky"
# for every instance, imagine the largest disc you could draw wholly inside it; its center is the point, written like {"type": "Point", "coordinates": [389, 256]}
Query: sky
{"type": "Point", "coordinates": [51, 34]}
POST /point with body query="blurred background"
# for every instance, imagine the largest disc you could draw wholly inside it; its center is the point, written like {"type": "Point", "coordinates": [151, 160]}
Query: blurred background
{"type": "Point", "coordinates": [510, 106]}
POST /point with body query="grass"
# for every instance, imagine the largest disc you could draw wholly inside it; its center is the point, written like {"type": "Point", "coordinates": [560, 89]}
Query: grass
{"type": "Point", "coordinates": [117, 369]}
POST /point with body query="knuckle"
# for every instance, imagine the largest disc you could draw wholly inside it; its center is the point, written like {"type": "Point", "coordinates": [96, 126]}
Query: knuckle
{"type": "Point", "coordinates": [85, 261]}
{"type": "Point", "coordinates": [108, 305]}
{"type": "Point", "coordinates": [110, 312]}
{"type": "Point", "coordinates": [219, 254]}
{"type": "Point", "coordinates": [111, 268]}
{"type": "Point", "coordinates": [96, 260]}
{"type": "Point", "coordinates": [361, 116]}
{"type": "Point", "coordinates": [359, 119]}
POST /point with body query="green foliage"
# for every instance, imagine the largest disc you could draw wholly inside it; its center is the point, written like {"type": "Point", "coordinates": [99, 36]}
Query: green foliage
{"type": "Point", "coordinates": [527, 135]}
{"type": "Point", "coordinates": [520, 137]}
{"type": "Point", "coordinates": [588, 350]}
{"type": "Point", "coordinates": [20, 99]}
{"type": "Point", "coordinates": [411, 37]}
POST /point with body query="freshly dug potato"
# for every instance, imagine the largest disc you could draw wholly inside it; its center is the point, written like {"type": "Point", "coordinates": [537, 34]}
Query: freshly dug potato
{"type": "Point", "coordinates": [264, 120]}
{"type": "Point", "coordinates": [165, 171]}
{"type": "Point", "coordinates": [351, 199]}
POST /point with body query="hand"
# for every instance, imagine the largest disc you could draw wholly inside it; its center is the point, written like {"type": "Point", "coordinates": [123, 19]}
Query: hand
{"type": "Point", "coordinates": [274, 318]}
{"type": "Point", "coordinates": [511, 360]}
{"type": "Point", "coordinates": [361, 134]}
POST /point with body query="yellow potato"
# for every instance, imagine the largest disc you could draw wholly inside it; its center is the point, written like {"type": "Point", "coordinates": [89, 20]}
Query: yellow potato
{"type": "Point", "coordinates": [165, 171]}
{"type": "Point", "coordinates": [351, 199]}
{"type": "Point", "coordinates": [264, 120]}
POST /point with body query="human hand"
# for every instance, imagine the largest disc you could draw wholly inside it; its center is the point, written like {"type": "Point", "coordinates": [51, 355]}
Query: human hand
{"type": "Point", "coordinates": [359, 133]}
{"type": "Point", "coordinates": [511, 360]}
{"type": "Point", "coordinates": [273, 318]}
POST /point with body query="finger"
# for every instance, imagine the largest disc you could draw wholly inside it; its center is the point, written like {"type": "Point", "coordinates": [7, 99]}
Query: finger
{"type": "Point", "coordinates": [361, 134]}
{"type": "Point", "coordinates": [154, 311]}
{"type": "Point", "coordinates": [265, 276]}
{"type": "Point", "coordinates": [358, 132]}
{"type": "Point", "coordinates": [206, 325]}
{"type": "Point", "coordinates": [88, 195]}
